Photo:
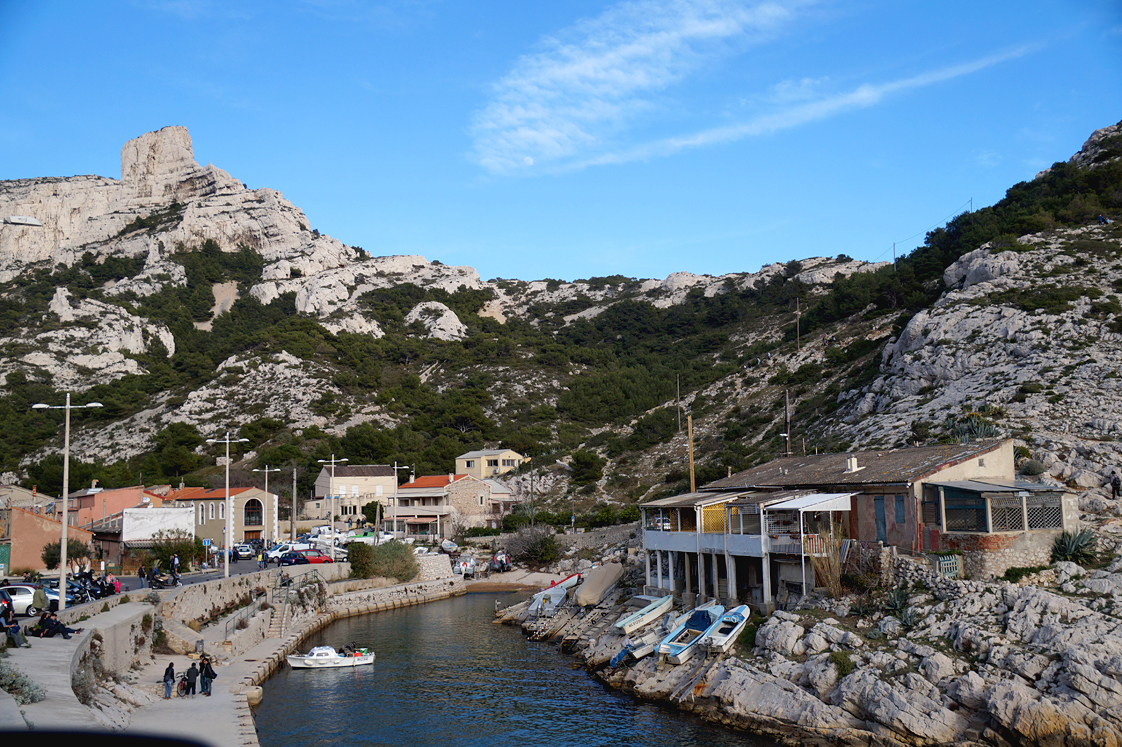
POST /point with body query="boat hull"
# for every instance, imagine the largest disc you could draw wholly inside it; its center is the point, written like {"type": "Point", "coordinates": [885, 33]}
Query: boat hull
{"type": "Point", "coordinates": [645, 616]}
{"type": "Point", "coordinates": [310, 662]}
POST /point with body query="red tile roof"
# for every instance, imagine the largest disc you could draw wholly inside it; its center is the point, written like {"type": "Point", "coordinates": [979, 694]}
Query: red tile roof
{"type": "Point", "coordinates": [432, 481]}
{"type": "Point", "coordinates": [197, 494]}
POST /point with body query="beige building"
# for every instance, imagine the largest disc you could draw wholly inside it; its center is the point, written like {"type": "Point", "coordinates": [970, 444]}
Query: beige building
{"type": "Point", "coordinates": [489, 462]}
{"type": "Point", "coordinates": [439, 505]}
{"type": "Point", "coordinates": [353, 487]}
{"type": "Point", "coordinates": [254, 513]}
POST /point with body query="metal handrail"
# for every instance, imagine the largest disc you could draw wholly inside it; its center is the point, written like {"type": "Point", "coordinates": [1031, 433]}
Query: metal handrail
{"type": "Point", "coordinates": [286, 584]}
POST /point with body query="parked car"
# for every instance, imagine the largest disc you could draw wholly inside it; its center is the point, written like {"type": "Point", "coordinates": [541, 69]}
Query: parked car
{"type": "Point", "coordinates": [661, 523]}
{"type": "Point", "coordinates": [275, 552]}
{"type": "Point", "coordinates": [21, 596]}
{"type": "Point", "coordinates": [293, 558]}
{"type": "Point", "coordinates": [316, 556]}
{"type": "Point", "coordinates": [245, 552]}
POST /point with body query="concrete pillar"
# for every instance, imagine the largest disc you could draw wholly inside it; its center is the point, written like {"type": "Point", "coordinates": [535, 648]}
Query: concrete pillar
{"type": "Point", "coordinates": [730, 572]}
{"type": "Point", "coordinates": [647, 564]}
{"type": "Point", "coordinates": [716, 577]}
{"type": "Point", "coordinates": [673, 567]}
{"type": "Point", "coordinates": [659, 556]}
{"type": "Point", "coordinates": [688, 575]}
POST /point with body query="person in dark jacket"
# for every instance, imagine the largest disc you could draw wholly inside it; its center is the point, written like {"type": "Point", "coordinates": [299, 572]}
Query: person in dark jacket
{"type": "Point", "coordinates": [192, 677]}
{"type": "Point", "coordinates": [208, 674]}
{"type": "Point", "coordinates": [169, 680]}
{"type": "Point", "coordinates": [11, 627]}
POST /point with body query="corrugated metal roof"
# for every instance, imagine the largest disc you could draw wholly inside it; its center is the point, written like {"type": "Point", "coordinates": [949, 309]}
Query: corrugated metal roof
{"type": "Point", "coordinates": [891, 466]}
{"type": "Point", "coordinates": [993, 485]}
{"type": "Point", "coordinates": [705, 498]}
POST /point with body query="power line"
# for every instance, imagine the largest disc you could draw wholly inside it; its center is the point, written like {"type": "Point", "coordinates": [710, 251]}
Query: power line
{"type": "Point", "coordinates": [957, 211]}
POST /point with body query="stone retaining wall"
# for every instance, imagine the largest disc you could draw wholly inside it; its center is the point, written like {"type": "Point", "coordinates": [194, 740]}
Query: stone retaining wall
{"type": "Point", "coordinates": [604, 536]}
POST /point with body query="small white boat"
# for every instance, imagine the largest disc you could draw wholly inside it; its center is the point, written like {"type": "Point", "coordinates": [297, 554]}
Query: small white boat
{"type": "Point", "coordinates": [646, 615]}
{"type": "Point", "coordinates": [722, 636]}
{"type": "Point", "coordinates": [682, 641]}
{"type": "Point", "coordinates": [546, 601]}
{"type": "Point", "coordinates": [325, 656]}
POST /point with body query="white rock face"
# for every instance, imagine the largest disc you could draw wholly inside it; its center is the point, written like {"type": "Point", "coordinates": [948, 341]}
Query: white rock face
{"type": "Point", "coordinates": [96, 338]}
{"type": "Point", "coordinates": [440, 321]}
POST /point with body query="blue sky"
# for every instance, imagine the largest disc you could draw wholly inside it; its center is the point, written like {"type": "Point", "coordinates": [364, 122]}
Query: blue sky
{"type": "Point", "coordinates": [578, 139]}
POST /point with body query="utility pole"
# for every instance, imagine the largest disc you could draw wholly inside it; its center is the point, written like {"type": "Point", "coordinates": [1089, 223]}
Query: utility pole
{"type": "Point", "coordinates": [678, 379]}
{"type": "Point", "coordinates": [689, 425]}
{"type": "Point", "coordinates": [798, 333]}
{"type": "Point", "coordinates": [787, 417]}
{"type": "Point", "coordinates": [292, 509]}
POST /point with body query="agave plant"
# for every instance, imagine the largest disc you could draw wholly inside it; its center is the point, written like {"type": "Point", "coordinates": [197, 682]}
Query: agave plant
{"type": "Point", "coordinates": [909, 619]}
{"type": "Point", "coordinates": [896, 600]}
{"type": "Point", "coordinates": [1077, 547]}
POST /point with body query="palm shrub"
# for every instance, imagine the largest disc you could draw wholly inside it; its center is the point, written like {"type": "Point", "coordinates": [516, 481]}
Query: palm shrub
{"type": "Point", "coordinates": [1077, 547]}
{"type": "Point", "coordinates": [827, 564]}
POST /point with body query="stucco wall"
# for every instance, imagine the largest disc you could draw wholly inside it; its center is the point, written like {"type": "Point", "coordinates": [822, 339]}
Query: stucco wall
{"type": "Point", "coordinates": [31, 532]}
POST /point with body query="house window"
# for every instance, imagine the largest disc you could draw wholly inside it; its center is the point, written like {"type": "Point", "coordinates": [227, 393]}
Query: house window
{"type": "Point", "coordinates": [930, 505]}
{"type": "Point", "coordinates": [253, 514]}
{"type": "Point", "coordinates": [377, 490]}
{"type": "Point", "coordinates": [981, 462]}
{"type": "Point", "coordinates": [966, 512]}
{"type": "Point", "coordinates": [202, 514]}
{"type": "Point", "coordinates": [900, 510]}
{"type": "Point", "coordinates": [492, 462]}
{"type": "Point", "coordinates": [222, 510]}
{"type": "Point", "coordinates": [508, 462]}
{"type": "Point", "coordinates": [212, 510]}
{"type": "Point", "coordinates": [469, 464]}
{"type": "Point", "coordinates": [480, 500]}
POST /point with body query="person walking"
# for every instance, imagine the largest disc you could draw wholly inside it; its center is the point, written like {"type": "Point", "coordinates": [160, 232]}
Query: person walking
{"type": "Point", "coordinates": [175, 564]}
{"type": "Point", "coordinates": [208, 674]}
{"type": "Point", "coordinates": [192, 676]}
{"type": "Point", "coordinates": [140, 574]}
{"type": "Point", "coordinates": [169, 680]}
{"type": "Point", "coordinates": [1115, 484]}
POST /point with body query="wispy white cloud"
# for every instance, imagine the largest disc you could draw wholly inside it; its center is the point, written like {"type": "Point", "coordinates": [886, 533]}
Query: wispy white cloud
{"type": "Point", "coordinates": [572, 104]}
{"type": "Point", "coordinates": [595, 78]}
{"type": "Point", "coordinates": [785, 118]}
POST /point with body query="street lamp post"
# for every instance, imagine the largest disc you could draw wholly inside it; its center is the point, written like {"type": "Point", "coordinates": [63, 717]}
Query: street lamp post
{"type": "Point", "coordinates": [267, 471]}
{"type": "Point", "coordinates": [395, 469]}
{"type": "Point", "coordinates": [331, 499]}
{"type": "Point", "coordinates": [229, 506]}
{"type": "Point", "coordinates": [65, 490]}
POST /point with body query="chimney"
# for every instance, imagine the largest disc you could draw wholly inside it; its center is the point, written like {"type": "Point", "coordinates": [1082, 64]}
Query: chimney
{"type": "Point", "coordinates": [181, 485]}
{"type": "Point", "coordinates": [451, 477]}
{"type": "Point", "coordinates": [93, 484]}
{"type": "Point", "coordinates": [851, 465]}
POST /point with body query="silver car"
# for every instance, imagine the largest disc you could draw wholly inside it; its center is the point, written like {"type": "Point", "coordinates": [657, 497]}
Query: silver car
{"type": "Point", "coordinates": [22, 596]}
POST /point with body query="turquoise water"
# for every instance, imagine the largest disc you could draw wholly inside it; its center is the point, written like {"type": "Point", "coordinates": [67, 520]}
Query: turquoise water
{"type": "Point", "coordinates": [446, 676]}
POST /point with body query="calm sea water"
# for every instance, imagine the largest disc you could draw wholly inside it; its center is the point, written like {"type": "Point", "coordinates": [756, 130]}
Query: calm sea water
{"type": "Point", "coordinates": [445, 676]}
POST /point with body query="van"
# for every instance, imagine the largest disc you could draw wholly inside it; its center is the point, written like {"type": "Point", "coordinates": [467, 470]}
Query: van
{"type": "Point", "coordinates": [273, 556]}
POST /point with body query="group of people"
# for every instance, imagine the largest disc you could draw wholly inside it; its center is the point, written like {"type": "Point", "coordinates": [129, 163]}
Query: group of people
{"type": "Point", "coordinates": [152, 575]}
{"type": "Point", "coordinates": [205, 671]}
{"type": "Point", "coordinates": [11, 627]}
{"type": "Point", "coordinates": [49, 626]}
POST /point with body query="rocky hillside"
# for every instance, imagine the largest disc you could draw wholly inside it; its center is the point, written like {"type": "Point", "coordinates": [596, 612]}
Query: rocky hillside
{"type": "Point", "coordinates": [190, 305]}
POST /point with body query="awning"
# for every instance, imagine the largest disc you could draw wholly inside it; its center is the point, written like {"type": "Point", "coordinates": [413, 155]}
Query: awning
{"type": "Point", "coordinates": [429, 520]}
{"type": "Point", "coordinates": [816, 502]}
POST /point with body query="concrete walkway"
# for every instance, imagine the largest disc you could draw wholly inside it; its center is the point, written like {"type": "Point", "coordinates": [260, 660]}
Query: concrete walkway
{"type": "Point", "coordinates": [222, 720]}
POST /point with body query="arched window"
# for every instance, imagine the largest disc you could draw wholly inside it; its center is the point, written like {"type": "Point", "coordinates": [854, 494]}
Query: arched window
{"type": "Point", "coordinates": [222, 510]}
{"type": "Point", "coordinates": [202, 514]}
{"type": "Point", "coordinates": [254, 515]}
{"type": "Point", "coordinates": [212, 510]}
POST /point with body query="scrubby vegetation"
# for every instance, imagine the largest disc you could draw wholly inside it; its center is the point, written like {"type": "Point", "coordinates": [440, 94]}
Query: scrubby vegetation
{"type": "Point", "coordinates": [389, 560]}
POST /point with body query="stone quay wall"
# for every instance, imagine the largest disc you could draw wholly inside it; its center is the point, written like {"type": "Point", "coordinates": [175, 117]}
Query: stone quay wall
{"type": "Point", "coordinates": [357, 603]}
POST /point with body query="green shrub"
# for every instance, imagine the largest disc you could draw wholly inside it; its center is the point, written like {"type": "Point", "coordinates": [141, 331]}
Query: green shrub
{"type": "Point", "coordinates": [1015, 574]}
{"type": "Point", "coordinates": [391, 559]}
{"type": "Point", "coordinates": [841, 662]}
{"type": "Point", "coordinates": [1033, 467]}
{"type": "Point", "coordinates": [146, 622]}
{"type": "Point", "coordinates": [1077, 547]}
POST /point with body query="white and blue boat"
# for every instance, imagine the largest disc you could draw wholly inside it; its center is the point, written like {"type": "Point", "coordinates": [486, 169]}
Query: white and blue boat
{"type": "Point", "coordinates": [723, 634]}
{"type": "Point", "coordinates": [682, 641]}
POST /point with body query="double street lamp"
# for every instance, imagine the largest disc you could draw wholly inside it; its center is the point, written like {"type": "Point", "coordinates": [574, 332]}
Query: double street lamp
{"type": "Point", "coordinates": [65, 488]}
{"type": "Point", "coordinates": [229, 506]}
{"type": "Point", "coordinates": [331, 499]}
{"type": "Point", "coordinates": [276, 530]}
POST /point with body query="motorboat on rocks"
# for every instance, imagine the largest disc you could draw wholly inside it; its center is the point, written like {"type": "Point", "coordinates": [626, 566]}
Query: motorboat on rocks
{"type": "Point", "coordinates": [325, 656]}
{"type": "Point", "coordinates": [721, 637]}
{"type": "Point", "coordinates": [682, 641]}
{"type": "Point", "coordinates": [651, 612]}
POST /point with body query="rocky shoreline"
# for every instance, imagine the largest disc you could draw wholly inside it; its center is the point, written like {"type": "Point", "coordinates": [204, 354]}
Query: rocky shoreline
{"type": "Point", "coordinates": [934, 661]}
